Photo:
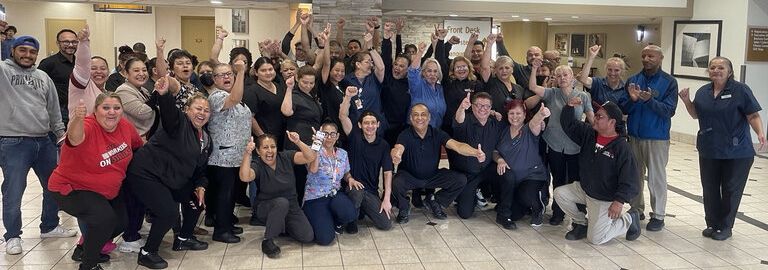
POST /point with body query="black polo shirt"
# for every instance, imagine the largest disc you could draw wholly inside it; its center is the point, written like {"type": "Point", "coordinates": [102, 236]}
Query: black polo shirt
{"type": "Point", "coordinates": [472, 132]}
{"type": "Point", "coordinates": [59, 69]}
{"type": "Point", "coordinates": [422, 156]}
{"type": "Point", "coordinates": [455, 92]}
{"type": "Point", "coordinates": [500, 94]}
{"type": "Point", "coordinates": [367, 159]}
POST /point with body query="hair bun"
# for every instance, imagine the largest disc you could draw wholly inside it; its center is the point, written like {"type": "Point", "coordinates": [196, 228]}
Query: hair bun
{"type": "Point", "coordinates": [125, 49]}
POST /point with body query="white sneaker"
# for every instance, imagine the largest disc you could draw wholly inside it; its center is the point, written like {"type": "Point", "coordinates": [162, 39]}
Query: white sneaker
{"type": "Point", "coordinates": [134, 246]}
{"type": "Point", "coordinates": [480, 199]}
{"type": "Point", "coordinates": [13, 246]}
{"type": "Point", "coordinates": [145, 228]}
{"type": "Point", "coordinates": [59, 232]}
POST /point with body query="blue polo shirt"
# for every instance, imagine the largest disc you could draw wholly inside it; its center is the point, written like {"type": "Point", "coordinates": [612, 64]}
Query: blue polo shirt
{"type": "Point", "coordinates": [601, 92]}
{"type": "Point", "coordinates": [723, 126]}
{"type": "Point", "coordinates": [421, 156]}
{"type": "Point", "coordinates": [367, 159]}
{"type": "Point", "coordinates": [369, 92]}
{"type": "Point", "coordinates": [422, 92]}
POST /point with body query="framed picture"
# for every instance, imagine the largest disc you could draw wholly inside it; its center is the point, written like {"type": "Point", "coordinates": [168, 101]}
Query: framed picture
{"type": "Point", "coordinates": [240, 21]}
{"type": "Point", "coordinates": [597, 39]}
{"type": "Point", "coordinates": [239, 43]}
{"type": "Point", "coordinates": [577, 45]}
{"type": "Point", "coordinates": [561, 44]}
{"type": "Point", "coordinates": [694, 44]}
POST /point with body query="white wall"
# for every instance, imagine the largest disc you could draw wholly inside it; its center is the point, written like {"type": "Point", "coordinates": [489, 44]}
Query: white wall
{"type": "Point", "coordinates": [262, 24]}
{"type": "Point", "coordinates": [131, 28]}
{"type": "Point", "coordinates": [757, 15]}
{"type": "Point", "coordinates": [733, 42]}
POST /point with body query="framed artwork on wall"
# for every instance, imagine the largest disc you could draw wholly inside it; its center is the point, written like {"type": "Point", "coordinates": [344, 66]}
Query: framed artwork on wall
{"type": "Point", "coordinates": [694, 44]}
{"type": "Point", "coordinates": [597, 39]}
{"type": "Point", "coordinates": [561, 44]}
{"type": "Point", "coordinates": [577, 45]}
{"type": "Point", "coordinates": [239, 43]}
{"type": "Point", "coordinates": [240, 21]}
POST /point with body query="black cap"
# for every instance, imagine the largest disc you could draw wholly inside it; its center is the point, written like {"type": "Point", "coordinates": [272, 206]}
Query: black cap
{"type": "Point", "coordinates": [614, 112]}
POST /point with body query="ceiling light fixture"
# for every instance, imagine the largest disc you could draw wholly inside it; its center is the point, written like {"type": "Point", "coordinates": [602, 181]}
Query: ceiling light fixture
{"type": "Point", "coordinates": [515, 16]}
{"type": "Point", "coordinates": [575, 17]}
{"type": "Point", "coordinates": [453, 15]}
{"type": "Point", "coordinates": [526, 20]}
{"type": "Point", "coordinates": [215, 2]}
{"type": "Point", "coordinates": [408, 10]}
{"type": "Point", "coordinates": [547, 19]}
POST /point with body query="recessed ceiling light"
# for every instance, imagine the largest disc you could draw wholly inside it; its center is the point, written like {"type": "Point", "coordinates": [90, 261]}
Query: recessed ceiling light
{"type": "Point", "coordinates": [408, 10]}
{"type": "Point", "coordinates": [515, 16]}
{"type": "Point", "coordinates": [574, 17]}
{"type": "Point", "coordinates": [526, 20]}
{"type": "Point", "coordinates": [215, 2]}
{"type": "Point", "coordinates": [547, 19]}
{"type": "Point", "coordinates": [453, 15]}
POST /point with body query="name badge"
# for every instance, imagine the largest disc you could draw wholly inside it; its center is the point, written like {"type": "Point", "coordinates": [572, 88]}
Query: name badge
{"type": "Point", "coordinates": [725, 96]}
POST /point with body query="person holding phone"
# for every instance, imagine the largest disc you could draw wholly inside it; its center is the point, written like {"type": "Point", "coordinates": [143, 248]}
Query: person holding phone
{"type": "Point", "coordinates": [170, 169]}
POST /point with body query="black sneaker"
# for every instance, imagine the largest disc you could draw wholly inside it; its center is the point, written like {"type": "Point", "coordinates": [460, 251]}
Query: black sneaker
{"type": "Point", "coordinates": [237, 230]}
{"type": "Point", "coordinates": [642, 216]}
{"type": "Point", "coordinates": [434, 207]}
{"type": "Point", "coordinates": [352, 227]}
{"type": "Point", "coordinates": [634, 228]}
{"type": "Point", "coordinates": [507, 223]}
{"type": "Point", "coordinates": [655, 225]}
{"type": "Point", "coordinates": [189, 244]}
{"type": "Point", "coordinates": [556, 220]}
{"type": "Point", "coordinates": [255, 221]}
{"type": "Point", "coordinates": [708, 232]}
{"type": "Point", "coordinates": [339, 229]}
{"type": "Point", "coordinates": [226, 237]}
{"type": "Point", "coordinates": [579, 232]}
{"type": "Point", "coordinates": [721, 235]}
{"type": "Point", "coordinates": [269, 248]}
{"type": "Point", "coordinates": [151, 260]}
{"type": "Point", "coordinates": [97, 267]}
{"type": "Point", "coordinates": [537, 219]}
{"type": "Point", "coordinates": [402, 216]}
{"type": "Point", "coordinates": [77, 255]}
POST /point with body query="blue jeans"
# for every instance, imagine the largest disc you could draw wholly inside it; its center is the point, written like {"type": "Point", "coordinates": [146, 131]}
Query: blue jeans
{"type": "Point", "coordinates": [17, 156]}
{"type": "Point", "coordinates": [326, 212]}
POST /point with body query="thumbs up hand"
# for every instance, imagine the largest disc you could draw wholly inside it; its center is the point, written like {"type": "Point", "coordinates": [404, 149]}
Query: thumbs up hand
{"type": "Point", "coordinates": [80, 110]}
{"type": "Point", "coordinates": [480, 154]}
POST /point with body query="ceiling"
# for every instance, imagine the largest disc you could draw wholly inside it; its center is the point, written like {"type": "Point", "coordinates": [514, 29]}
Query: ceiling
{"type": "Point", "coordinates": [248, 4]}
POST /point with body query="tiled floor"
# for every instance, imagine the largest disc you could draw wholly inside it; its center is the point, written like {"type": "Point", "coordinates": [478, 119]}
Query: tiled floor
{"type": "Point", "coordinates": [477, 243]}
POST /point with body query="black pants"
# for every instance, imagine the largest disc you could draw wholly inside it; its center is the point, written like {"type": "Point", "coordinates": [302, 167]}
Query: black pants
{"type": "Point", "coordinates": [450, 182]}
{"type": "Point", "coordinates": [221, 185]}
{"type": "Point", "coordinates": [300, 172]}
{"type": "Point", "coordinates": [135, 211]}
{"type": "Point", "coordinates": [164, 204]}
{"type": "Point", "coordinates": [723, 182]}
{"type": "Point", "coordinates": [369, 204]}
{"type": "Point", "coordinates": [103, 219]}
{"type": "Point", "coordinates": [466, 201]}
{"type": "Point", "coordinates": [284, 215]}
{"type": "Point", "coordinates": [519, 195]}
{"type": "Point", "coordinates": [565, 170]}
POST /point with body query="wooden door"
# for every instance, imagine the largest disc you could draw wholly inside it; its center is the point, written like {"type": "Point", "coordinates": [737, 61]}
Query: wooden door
{"type": "Point", "coordinates": [197, 35]}
{"type": "Point", "coordinates": [52, 27]}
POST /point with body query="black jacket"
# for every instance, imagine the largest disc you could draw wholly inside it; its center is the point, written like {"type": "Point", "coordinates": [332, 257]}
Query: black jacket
{"type": "Point", "coordinates": [607, 174]}
{"type": "Point", "coordinates": [173, 156]}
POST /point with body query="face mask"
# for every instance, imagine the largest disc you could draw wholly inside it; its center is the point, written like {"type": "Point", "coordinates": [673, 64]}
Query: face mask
{"type": "Point", "coordinates": [540, 79]}
{"type": "Point", "coordinates": [206, 79]}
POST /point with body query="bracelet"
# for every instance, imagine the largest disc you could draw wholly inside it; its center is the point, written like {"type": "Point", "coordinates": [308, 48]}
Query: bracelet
{"type": "Point", "coordinates": [322, 48]}
{"type": "Point", "coordinates": [377, 27]}
{"type": "Point", "coordinates": [370, 49]}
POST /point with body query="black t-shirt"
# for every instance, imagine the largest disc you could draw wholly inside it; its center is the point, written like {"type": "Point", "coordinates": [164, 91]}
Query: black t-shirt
{"type": "Point", "coordinates": [421, 156]}
{"type": "Point", "coordinates": [500, 94]}
{"type": "Point", "coordinates": [455, 92]}
{"type": "Point", "coordinates": [279, 182]}
{"type": "Point", "coordinates": [330, 98]}
{"type": "Point", "coordinates": [395, 99]}
{"type": "Point", "coordinates": [307, 114]}
{"type": "Point", "coordinates": [367, 159]}
{"type": "Point", "coordinates": [59, 69]}
{"type": "Point", "coordinates": [472, 132]}
{"type": "Point", "coordinates": [115, 80]}
{"type": "Point", "coordinates": [265, 106]}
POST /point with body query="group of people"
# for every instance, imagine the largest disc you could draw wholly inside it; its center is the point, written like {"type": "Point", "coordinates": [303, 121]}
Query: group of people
{"type": "Point", "coordinates": [304, 136]}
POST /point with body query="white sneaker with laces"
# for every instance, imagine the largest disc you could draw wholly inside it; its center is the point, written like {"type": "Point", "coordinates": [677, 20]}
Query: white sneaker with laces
{"type": "Point", "coordinates": [134, 246]}
{"type": "Point", "coordinates": [13, 246]}
{"type": "Point", "coordinates": [480, 199]}
{"type": "Point", "coordinates": [59, 232]}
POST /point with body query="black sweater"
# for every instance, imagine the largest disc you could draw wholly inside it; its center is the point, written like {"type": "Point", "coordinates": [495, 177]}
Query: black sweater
{"type": "Point", "coordinates": [172, 156]}
{"type": "Point", "coordinates": [607, 174]}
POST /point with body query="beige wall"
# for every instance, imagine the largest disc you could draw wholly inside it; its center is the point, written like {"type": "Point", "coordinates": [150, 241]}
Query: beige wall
{"type": "Point", "coordinates": [619, 39]}
{"type": "Point", "coordinates": [519, 36]}
{"type": "Point", "coordinates": [262, 24]}
{"type": "Point", "coordinates": [168, 21]}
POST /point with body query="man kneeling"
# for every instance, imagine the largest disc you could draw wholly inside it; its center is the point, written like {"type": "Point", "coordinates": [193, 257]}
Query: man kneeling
{"type": "Point", "coordinates": [610, 181]}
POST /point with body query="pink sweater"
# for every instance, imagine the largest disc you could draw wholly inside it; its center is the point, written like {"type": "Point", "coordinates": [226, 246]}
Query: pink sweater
{"type": "Point", "coordinates": [80, 84]}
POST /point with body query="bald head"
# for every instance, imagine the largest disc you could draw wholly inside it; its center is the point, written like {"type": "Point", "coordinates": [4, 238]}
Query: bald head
{"type": "Point", "coordinates": [553, 57]}
{"type": "Point", "coordinates": [651, 58]}
{"type": "Point", "coordinates": [533, 52]}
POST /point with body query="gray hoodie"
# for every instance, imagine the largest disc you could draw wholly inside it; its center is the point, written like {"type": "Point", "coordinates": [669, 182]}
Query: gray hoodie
{"type": "Point", "coordinates": [29, 104]}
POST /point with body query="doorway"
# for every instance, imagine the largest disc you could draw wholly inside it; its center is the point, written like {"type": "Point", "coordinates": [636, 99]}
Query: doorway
{"type": "Point", "coordinates": [197, 35]}
{"type": "Point", "coordinates": [53, 26]}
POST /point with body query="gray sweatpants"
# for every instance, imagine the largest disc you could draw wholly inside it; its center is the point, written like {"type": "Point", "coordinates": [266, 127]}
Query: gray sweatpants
{"type": "Point", "coordinates": [370, 205]}
{"type": "Point", "coordinates": [601, 228]}
{"type": "Point", "coordinates": [651, 155]}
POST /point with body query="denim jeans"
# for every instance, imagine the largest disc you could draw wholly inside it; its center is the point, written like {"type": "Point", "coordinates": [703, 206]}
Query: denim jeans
{"type": "Point", "coordinates": [17, 156]}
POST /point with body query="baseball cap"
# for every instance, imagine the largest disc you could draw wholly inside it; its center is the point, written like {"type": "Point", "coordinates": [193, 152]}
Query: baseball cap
{"type": "Point", "coordinates": [613, 110]}
{"type": "Point", "coordinates": [26, 40]}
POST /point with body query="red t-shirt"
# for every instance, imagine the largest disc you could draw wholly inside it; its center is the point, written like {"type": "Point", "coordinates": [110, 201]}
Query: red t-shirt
{"type": "Point", "coordinates": [98, 164]}
{"type": "Point", "coordinates": [603, 141]}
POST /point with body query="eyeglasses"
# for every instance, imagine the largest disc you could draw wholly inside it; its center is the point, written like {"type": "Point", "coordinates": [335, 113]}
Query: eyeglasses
{"type": "Point", "coordinates": [482, 106]}
{"type": "Point", "coordinates": [331, 134]}
{"type": "Point", "coordinates": [461, 67]}
{"type": "Point", "coordinates": [69, 42]}
{"type": "Point", "coordinates": [600, 117]}
{"type": "Point", "coordinates": [222, 75]}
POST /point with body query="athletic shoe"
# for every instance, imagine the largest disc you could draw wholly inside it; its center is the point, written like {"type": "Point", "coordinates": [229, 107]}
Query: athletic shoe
{"type": "Point", "coordinates": [151, 260]}
{"type": "Point", "coordinates": [133, 246]}
{"type": "Point", "coordinates": [13, 246]}
{"type": "Point", "coordinates": [77, 255]}
{"type": "Point", "coordinates": [480, 199]}
{"type": "Point", "coordinates": [189, 244]}
{"type": "Point", "coordinates": [59, 232]}
{"type": "Point", "coordinates": [269, 248]}
{"type": "Point", "coordinates": [634, 228]}
{"type": "Point", "coordinates": [579, 232]}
